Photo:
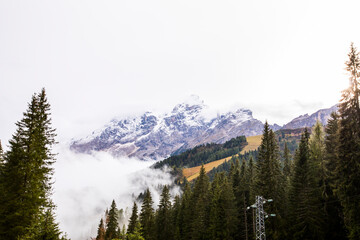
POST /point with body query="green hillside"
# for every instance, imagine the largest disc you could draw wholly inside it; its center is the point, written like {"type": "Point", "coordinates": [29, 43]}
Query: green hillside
{"type": "Point", "coordinates": [204, 154]}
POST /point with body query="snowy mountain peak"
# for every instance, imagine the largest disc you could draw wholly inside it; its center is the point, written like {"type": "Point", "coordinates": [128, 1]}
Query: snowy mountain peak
{"type": "Point", "coordinates": [192, 105]}
{"type": "Point", "coordinates": [151, 136]}
{"type": "Point", "coordinates": [156, 136]}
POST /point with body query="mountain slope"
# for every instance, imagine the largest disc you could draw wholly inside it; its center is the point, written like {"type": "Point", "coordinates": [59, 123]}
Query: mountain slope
{"type": "Point", "coordinates": [153, 136]}
{"type": "Point", "coordinates": [308, 121]}
{"type": "Point", "coordinates": [157, 136]}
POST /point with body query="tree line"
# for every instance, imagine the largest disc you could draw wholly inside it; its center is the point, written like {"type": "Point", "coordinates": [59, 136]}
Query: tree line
{"type": "Point", "coordinates": [204, 153]}
{"type": "Point", "coordinates": [315, 192]}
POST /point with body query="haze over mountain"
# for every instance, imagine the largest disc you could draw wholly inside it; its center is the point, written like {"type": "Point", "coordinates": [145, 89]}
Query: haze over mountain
{"type": "Point", "coordinates": [307, 120]}
{"type": "Point", "coordinates": [156, 136]}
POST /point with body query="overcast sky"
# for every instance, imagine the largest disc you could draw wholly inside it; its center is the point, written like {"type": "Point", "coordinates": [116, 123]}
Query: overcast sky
{"type": "Point", "coordinates": [100, 59]}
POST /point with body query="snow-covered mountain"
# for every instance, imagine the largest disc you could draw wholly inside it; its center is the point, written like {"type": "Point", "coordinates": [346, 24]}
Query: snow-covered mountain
{"type": "Point", "coordinates": [156, 136]}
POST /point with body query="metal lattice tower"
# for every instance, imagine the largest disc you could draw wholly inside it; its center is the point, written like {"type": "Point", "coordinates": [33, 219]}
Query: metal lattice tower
{"type": "Point", "coordinates": [260, 218]}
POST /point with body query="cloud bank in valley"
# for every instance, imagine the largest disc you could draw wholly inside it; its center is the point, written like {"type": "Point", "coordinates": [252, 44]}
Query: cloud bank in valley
{"type": "Point", "coordinates": [86, 184]}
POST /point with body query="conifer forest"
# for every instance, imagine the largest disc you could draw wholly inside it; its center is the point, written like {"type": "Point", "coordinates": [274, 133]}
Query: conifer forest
{"type": "Point", "coordinates": [312, 192]}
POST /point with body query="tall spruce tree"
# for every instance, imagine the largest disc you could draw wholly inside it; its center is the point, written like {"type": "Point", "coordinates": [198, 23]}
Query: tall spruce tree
{"type": "Point", "coordinates": [241, 188]}
{"type": "Point", "coordinates": [146, 217]}
{"type": "Point", "coordinates": [304, 205]}
{"type": "Point", "coordinates": [101, 231]}
{"type": "Point", "coordinates": [112, 224]}
{"type": "Point", "coordinates": [186, 213]}
{"type": "Point", "coordinates": [251, 214]}
{"type": "Point", "coordinates": [269, 182]}
{"type": "Point", "coordinates": [245, 218]}
{"type": "Point", "coordinates": [136, 234]}
{"type": "Point", "coordinates": [349, 149]}
{"type": "Point", "coordinates": [335, 229]}
{"type": "Point", "coordinates": [317, 171]}
{"type": "Point", "coordinates": [214, 227]}
{"type": "Point", "coordinates": [238, 186]}
{"type": "Point", "coordinates": [317, 152]}
{"type": "Point", "coordinates": [163, 216]}
{"type": "Point", "coordinates": [228, 212]}
{"type": "Point", "coordinates": [133, 219]}
{"type": "Point", "coordinates": [200, 207]}
{"type": "Point", "coordinates": [175, 217]}
{"type": "Point", "coordinates": [26, 176]}
{"type": "Point", "coordinates": [47, 228]}
{"type": "Point", "coordinates": [287, 172]}
{"type": "Point", "coordinates": [331, 159]}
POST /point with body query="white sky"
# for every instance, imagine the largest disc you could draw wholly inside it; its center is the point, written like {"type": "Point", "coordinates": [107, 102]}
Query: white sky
{"type": "Point", "coordinates": [100, 59]}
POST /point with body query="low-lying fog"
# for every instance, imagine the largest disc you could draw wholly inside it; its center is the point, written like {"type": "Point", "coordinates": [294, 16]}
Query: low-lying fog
{"type": "Point", "coordinates": [86, 184]}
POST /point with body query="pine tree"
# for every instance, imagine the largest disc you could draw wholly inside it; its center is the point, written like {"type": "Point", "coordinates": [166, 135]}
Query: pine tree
{"type": "Point", "coordinates": [228, 212]}
{"type": "Point", "coordinates": [176, 211]}
{"type": "Point", "coordinates": [335, 229]}
{"type": "Point", "coordinates": [287, 173]}
{"type": "Point", "coordinates": [163, 217]}
{"type": "Point", "coordinates": [112, 225]}
{"type": "Point", "coordinates": [186, 213]}
{"type": "Point", "coordinates": [101, 231]}
{"type": "Point", "coordinates": [304, 204]}
{"type": "Point", "coordinates": [349, 150]}
{"type": "Point", "coordinates": [251, 214]}
{"type": "Point", "coordinates": [331, 159]}
{"type": "Point", "coordinates": [317, 152]}
{"type": "Point", "coordinates": [245, 217]}
{"type": "Point", "coordinates": [133, 219]}
{"type": "Point", "coordinates": [238, 187]}
{"type": "Point", "coordinates": [241, 190]}
{"type": "Point", "coordinates": [26, 176]}
{"type": "Point", "coordinates": [269, 182]}
{"type": "Point", "coordinates": [200, 207]}
{"type": "Point", "coordinates": [136, 234]}
{"type": "Point", "coordinates": [147, 217]}
{"type": "Point", "coordinates": [48, 228]}
{"type": "Point", "coordinates": [317, 171]}
{"type": "Point", "coordinates": [214, 229]}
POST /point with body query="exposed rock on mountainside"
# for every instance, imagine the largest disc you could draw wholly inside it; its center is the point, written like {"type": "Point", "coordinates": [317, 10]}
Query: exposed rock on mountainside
{"type": "Point", "coordinates": [308, 121]}
{"type": "Point", "coordinates": [153, 136]}
{"type": "Point", "coordinates": [157, 136]}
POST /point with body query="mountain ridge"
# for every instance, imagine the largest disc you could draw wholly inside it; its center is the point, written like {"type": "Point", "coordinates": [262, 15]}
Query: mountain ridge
{"type": "Point", "coordinates": [307, 120]}
{"type": "Point", "coordinates": [152, 136]}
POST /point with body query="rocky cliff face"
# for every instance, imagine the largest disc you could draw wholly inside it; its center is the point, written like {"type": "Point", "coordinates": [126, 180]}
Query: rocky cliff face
{"type": "Point", "coordinates": [152, 136]}
{"type": "Point", "coordinates": [309, 120]}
